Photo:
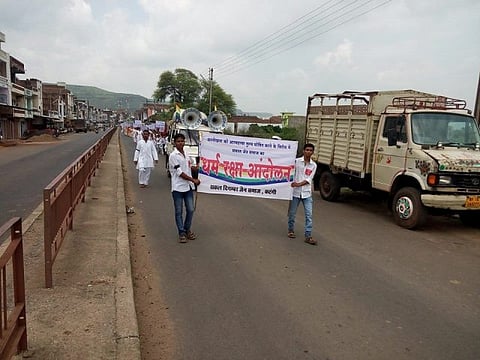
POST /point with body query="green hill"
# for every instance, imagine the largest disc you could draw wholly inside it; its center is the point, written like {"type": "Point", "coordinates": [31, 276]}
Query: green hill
{"type": "Point", "coordinates": [103, 99]}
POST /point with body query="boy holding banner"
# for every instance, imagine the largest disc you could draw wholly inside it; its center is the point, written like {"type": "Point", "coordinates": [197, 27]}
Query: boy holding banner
{"type": "Point", "coordinates": [183, 185]}
{"type": "Point", "coordinates": [305, 169]}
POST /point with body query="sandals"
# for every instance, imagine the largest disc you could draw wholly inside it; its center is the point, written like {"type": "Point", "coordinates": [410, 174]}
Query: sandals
{"type": "Point", "coordinates": [310, 240]}
{"type": "Point", "coordinates": [183, 238]}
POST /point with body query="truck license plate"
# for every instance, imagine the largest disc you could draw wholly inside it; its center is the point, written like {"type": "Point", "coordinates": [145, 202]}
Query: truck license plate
{"type": "Point", "coordinates": [472, 201]}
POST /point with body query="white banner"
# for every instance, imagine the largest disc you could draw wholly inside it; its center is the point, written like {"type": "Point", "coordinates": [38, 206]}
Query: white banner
{"type": "Point", "coordinates": [246, 166]}
{"type": "Point", "coordinates": [160, 125]}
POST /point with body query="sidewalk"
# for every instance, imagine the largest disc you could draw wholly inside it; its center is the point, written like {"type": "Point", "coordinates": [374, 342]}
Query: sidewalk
{"type": "Point", "coordinates": [89, 313]}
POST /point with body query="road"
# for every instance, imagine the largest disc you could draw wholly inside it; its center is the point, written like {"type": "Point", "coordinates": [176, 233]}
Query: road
{"type": "Point", "coordinates": [369, 290]}
{"type": "Point", "coordinates": [28, 168]}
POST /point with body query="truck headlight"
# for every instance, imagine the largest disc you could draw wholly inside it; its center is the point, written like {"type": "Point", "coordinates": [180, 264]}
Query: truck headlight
{"type": "Point", "coordinates": [444, 180]}
{"type": "Point", "coordinates": [435, 179]}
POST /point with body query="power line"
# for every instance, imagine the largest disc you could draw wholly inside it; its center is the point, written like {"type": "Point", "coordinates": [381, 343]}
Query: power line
{"type": "Point", "coordinates": [294, 41]}
{"type": "Point", "coordinates": [303, 31]}
{"type": "Point", "coordinates": [274, 35]}
{"type": "Point", "coordinates": [293, 35]}
{"type": "Point", "coordinates": [267, 56]}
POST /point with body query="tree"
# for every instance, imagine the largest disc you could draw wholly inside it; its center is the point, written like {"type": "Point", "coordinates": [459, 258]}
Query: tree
{"type": "Point", "coordinates": [165, 87]}
{"type": "Point", "coordinates": [268, 131]}
{"type": "Point", "coordinates": [179, 86]}
{"type": "Point", "coordinates": [184, 87]}
{"type": "Point", "coordinates": [220, 99]}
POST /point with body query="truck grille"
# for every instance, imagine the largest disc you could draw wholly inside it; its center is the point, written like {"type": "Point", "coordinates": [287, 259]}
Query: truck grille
{"type": "Point", "coordinates": [469, 181]}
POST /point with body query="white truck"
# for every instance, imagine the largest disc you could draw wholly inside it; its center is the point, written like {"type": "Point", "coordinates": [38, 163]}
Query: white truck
{"type": "Point", "coordinates": [423, 150]}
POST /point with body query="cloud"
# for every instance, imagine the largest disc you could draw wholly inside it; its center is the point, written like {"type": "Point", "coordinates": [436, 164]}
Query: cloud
{"type": "Point", "coordinates": [77, 11]}
{"type": "Point", "coordinates": [341, 55]}
{"type": "Point", "coordinates": [166, 7]}
{"type": "Point", "coordinates": [124, 46]}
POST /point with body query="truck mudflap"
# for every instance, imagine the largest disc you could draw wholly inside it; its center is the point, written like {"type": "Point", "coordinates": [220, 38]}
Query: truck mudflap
{"type": "Point", "coordinates": [452, 202]}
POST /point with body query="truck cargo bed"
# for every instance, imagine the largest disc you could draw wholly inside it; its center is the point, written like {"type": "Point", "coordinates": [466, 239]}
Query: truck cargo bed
{"type": "Point", "coordinates": [342, 139]}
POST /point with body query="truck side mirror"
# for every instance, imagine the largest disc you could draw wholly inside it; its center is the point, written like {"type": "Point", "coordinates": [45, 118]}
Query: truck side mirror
{"type": "Point", "coordinates": [392, 137]}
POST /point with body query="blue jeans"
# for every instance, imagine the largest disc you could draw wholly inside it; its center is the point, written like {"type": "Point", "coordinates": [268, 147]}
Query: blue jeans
{"type": "Point", "coordinates": [308, 209]}
{"type": "Point", "coordinates": [178, 199]}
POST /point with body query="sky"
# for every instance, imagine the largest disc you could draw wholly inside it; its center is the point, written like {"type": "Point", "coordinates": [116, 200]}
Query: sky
{"type": "Point", "coordinates": [270, 55]}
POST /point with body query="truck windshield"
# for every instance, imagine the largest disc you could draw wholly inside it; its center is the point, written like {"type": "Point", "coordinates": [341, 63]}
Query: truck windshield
{"type": "Point", "coordinates": [448, 129]}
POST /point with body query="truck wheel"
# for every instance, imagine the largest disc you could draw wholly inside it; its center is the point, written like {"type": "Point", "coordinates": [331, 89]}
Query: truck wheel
{"type": "Point", "coordinates": [408, 209]}
{"type": "Point", "coordinates": [470, 218]}
{"type": "Point", "coordinates": [329, 186]}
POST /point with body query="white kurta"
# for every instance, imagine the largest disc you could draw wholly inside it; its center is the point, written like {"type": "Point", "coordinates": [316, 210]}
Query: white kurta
{"type": "Point", "coordinates": [136, 136]}
{"type": "Point", "coordinates": [145, 154]}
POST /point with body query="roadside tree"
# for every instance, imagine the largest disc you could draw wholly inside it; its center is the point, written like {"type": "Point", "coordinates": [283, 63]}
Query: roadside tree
{"type": "Point", "coordinates": [184, 87]}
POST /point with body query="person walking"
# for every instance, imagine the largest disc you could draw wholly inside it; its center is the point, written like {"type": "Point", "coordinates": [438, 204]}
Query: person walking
{"type": "Point", "coordinates": [158, 143]}
{"type": "Point", "coordinates": [163, 142]}
{"type": "Point", "coordinates": [137, 135]}
{"type": "Point", "coordinates": [183, 185]}
{"type": "Point", "coordinates": [305, 169]}
{"type": "Point", "coordinates": [145, 155]}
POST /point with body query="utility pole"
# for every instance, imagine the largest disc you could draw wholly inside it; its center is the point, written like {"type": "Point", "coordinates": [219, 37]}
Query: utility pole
{"type": "Point", "coordinates": [210, 77]}
{"type": "Point", "coordinates": [477, 102]}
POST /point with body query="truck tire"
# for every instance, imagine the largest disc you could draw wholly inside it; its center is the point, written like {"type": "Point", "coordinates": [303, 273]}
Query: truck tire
{"type": "Point", "coordinates": [329, 186]}
{"type": "Point", "coordinates": [407, 207]}
{"type": "Point", "coordinates": [470, 218]}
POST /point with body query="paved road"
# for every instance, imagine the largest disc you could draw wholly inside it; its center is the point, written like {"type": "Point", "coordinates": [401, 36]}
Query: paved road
{"type": "Point", "coordinates": [370, 290]}
{"type": "Point", "coordinates": [27, 168]}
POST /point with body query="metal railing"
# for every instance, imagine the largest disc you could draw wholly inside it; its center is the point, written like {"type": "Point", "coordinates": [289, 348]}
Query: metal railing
{"type": "Point", "coordinates": [62, 195]}
{"type": "Point", "coordinates": [13, 322]}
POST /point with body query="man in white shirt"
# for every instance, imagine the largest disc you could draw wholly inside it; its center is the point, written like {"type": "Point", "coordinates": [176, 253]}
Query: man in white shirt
{"type": "Point", "coordinates": [305, 169]}
{"type": "Point", "coordinates": [183, 185]}
{"type": "Point", "coordinates": [145, 155]}
{"type": "Point", "coordinates": [136, 135]}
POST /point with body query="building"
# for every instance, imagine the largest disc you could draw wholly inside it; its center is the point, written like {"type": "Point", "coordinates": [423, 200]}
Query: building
{"type": "Point", "coordinates": [14, 98]}
{"type": "Point", "coordinates": [151, 108]}
{"type": "Point", "coordinates": [21, 101]}
{"type": "Point", "coordinates": [58, 105]}
{"type": "Point", "coordinates": [35, 119]}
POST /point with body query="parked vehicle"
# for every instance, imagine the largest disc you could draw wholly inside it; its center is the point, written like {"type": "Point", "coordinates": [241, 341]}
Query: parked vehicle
{"type": "Point", "coordinates": [193, 124]}
{"type": "Point", "coordinates": [80, 125]}
{"type": "Point", "coordinates": [423, 150]}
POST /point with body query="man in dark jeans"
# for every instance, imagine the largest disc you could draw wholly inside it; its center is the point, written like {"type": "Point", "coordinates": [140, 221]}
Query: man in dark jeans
{"type": "Point", "coordinates": [305, 169]}
{"type": "Point", "coordinates": [183, 185]}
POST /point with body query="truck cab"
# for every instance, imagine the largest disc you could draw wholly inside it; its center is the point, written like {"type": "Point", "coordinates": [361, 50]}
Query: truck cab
{"type": "Point", "coordinates": [427, 156]}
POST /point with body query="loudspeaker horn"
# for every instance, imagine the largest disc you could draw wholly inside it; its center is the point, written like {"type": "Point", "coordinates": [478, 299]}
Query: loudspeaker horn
{"type": "Point", "coordinates": [191, 118]}
{"type": "Point", "coordinates": [217, 120]}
